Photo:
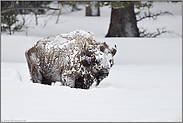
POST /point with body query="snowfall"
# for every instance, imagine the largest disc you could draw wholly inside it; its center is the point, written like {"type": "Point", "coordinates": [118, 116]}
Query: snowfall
{"type": "Point", "coordinates": [145, 83]}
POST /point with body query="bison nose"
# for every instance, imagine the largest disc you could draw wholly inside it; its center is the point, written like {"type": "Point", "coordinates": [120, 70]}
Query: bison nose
{"type": "Point", "coordinates": [104, 72]}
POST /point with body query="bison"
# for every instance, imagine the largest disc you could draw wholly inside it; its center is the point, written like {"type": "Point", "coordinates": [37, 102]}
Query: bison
{"type": "Point", "coordinates": [75, 59]}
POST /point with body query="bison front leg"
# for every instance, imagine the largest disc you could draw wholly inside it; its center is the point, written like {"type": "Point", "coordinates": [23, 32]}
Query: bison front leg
{"type": "Point", "coordinates": [84, 82]}
{"type": "Point", "coordinates": [36, 75]}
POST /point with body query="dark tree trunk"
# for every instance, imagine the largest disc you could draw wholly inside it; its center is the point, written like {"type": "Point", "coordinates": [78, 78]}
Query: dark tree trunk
{"type": "Point", "coordinates": [88, 11]}
{"type": "Point", "coordinates": [36, 18]}
{"type": "Point", "coordinates": [92, 10]}
{"type": "Point", "coordinates": [98, 11]}
{"type": "Point", "coordinates": [123, 22]}
{"type": "Point", "coordinates": [9, 28]}
{"type": "Point", "coordinates": [58, 15]}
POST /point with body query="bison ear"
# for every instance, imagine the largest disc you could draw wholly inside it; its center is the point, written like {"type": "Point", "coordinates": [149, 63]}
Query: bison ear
{"type": "Point", "coordinates": [114, 50]}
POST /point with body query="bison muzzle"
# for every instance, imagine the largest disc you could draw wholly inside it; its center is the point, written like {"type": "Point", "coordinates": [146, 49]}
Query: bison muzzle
{"type": "Point", "coordinates": [75, 59]}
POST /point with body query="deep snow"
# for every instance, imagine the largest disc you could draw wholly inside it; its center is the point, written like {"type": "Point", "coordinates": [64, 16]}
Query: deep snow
{"type": "Point", "coordinates": [145, 83]}
{"type": "Point", "coordinates": [149, 98]}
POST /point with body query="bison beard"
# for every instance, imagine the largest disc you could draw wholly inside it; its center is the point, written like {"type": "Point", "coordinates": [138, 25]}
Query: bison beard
{"type": "Point", "coordinates": [75, 59]}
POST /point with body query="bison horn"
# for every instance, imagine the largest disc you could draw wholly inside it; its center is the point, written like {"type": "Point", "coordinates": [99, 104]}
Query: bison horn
{"type": "Point", "coordinates": [114, 50]}
{"type": "Point", "coordinates": [86, 51]}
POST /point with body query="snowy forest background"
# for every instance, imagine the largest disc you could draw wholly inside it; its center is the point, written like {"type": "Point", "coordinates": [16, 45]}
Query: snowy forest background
{"type": "Point", "coordinates": [145, 83]}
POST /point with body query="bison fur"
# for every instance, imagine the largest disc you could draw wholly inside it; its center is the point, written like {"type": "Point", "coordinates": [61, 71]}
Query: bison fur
{"type": "Point", "coordinates": [75, 59]}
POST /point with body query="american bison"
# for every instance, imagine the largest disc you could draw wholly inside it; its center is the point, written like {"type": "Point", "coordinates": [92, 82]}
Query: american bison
{"type": "Point", "coordinates": [75, 59]}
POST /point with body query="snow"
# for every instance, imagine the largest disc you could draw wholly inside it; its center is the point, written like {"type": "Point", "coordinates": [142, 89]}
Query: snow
{"type": "Point", "coordinates": [139, 93]}
{"type": "Point", "coordinates": [64, 40]}
{"type": "Point", "coordinates": [71, 21]}
{"type": "Point", "coordinates": [144, 84]}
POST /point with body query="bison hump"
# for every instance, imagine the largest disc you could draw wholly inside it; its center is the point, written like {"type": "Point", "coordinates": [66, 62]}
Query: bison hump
{"type": "Point", "coordinates": [78, 38]}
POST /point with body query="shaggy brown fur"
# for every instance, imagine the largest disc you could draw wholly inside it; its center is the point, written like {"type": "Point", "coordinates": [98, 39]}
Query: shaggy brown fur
{"type": "Point", "coordinates": [75, 59]}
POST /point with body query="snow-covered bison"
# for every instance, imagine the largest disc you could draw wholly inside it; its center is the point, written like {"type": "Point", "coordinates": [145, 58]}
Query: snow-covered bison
{"type": "Point", "coordinates": [75, 59]}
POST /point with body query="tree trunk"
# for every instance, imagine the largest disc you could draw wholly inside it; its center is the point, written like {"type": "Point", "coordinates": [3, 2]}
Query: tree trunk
{"type": "Point", "coordinates": [123, 22]}
{"type": "Point", "coordinates": [88, 11]}
{"type": "Point", "coordinates": [92, 10]}
{"type": "Point", "coordinates": [36, 18]}
{"type": "Point", "coordinates": [58, 15]}
{"type": "Point", "coordinates": [98, 11]}
{"type": "Point", "coordinates": [9, 28]}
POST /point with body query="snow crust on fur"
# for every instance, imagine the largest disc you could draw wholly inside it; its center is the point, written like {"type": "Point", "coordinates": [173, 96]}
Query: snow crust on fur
{"type": "Point", "coordinates": [61, 58]}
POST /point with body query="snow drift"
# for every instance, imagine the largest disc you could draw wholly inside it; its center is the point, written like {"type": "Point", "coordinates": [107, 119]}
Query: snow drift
{"type": "Point", "coordinates": [144, 84]}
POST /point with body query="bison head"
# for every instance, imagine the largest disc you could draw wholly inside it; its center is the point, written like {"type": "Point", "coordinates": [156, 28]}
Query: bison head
{"type": "Point", "coordinates": [98, 59]}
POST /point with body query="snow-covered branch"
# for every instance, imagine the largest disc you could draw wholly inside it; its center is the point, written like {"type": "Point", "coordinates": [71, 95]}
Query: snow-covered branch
{"type": "Point", "coordinates": [151, 15]}
{"type": "Point", "coordinates": [32, 8]}
{"type": "Point", "coordinates": [145, 33]}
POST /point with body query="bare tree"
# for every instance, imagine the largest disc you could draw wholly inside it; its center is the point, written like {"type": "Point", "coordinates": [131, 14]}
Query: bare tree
{"type": "Point", "coordinates": [15, 7]}
{"type": "Point", "coordinates": [124, 20]}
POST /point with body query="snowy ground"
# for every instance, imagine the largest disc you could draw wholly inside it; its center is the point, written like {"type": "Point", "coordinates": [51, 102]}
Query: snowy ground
{"type": "Point", "coordinates": [145, 84]}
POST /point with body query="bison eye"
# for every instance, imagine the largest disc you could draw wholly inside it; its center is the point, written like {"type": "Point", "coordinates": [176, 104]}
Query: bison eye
{"type": "Point", "coordinates": [94, 61]}
{"type": "Point", "coordinates": [102, 48]}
